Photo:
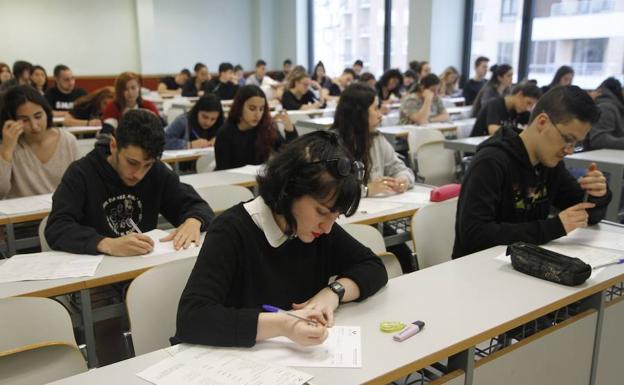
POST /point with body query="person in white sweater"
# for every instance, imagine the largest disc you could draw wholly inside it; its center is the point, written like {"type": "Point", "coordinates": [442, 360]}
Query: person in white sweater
{"type": "Point", "coordinates": [33, 154]}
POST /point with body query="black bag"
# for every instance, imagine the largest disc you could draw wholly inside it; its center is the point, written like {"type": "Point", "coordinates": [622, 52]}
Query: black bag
{"type": "Point", "coordinates": [545, 264]}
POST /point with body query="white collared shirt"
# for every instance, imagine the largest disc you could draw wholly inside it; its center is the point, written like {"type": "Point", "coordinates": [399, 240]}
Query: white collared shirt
{"type": "Point", "coordinates": [263, 218]}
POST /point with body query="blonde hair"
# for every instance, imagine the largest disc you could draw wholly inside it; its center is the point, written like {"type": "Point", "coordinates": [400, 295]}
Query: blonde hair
{"type": "Point", "coordinates": [445, 88]}
{"type": "Point", "coordinates": [298, 73]}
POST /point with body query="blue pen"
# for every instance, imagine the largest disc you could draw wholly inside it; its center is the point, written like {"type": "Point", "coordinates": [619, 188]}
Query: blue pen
{"type": "Point", "coordinates": [196, 134]}
{"type": "Point", "coordinates": [618, 262]}
{"type": "Point", "coordinates": [275, 309]}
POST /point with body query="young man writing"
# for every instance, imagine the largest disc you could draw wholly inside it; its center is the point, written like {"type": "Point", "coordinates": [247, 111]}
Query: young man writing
{"type": "Point", "coordinates": [514, 180]}
{"type": "Point", "coordinates": [103, 194]}
{"type": "Point", "coordinates": [223, 86]}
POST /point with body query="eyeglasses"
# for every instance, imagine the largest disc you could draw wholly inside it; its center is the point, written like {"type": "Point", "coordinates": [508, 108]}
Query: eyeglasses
{"type": "Point", "coordinates": [343, 167]}
{"type": "Point", "coordinates": [570, 141]}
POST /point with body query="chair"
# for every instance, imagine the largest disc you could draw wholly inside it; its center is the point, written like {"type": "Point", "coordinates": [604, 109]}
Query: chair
{"type": "Point", "coordinates": [416, 138]}
{"type": "Point", "coordinates": [206, 163]}
{"type": "Point", "coordinates": [433, 232]}
{"type": "Point", "coordinates": [436, 165]}
{"type": "Point", "coordinates": [221, 198]}
{"type": "Point", "coordinates": [152, 303]}
{"type": "Point", "coordinates": [373, 239]}
{"type": "Point", "coordinates": [37, 343]}
{"type": "Point", "coordinates": [42, 239]}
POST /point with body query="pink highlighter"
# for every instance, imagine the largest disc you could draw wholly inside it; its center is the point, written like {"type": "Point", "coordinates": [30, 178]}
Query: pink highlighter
{"type": "Point", "coordinates": [409, 331]}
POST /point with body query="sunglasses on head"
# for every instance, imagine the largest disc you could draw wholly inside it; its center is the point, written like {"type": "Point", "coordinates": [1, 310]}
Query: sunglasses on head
{"type": "Point", "coordinates": [343, 167]}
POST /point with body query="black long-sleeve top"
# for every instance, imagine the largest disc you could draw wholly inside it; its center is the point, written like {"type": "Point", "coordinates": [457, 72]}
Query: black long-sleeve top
{"type": "Point", "coordinates": [238, 271]}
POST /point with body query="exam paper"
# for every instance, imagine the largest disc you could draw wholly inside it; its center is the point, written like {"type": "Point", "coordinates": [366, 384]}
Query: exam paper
{"type": "Point", "coordinates": [247, 170]}
{"type": "Point", "coordinates": [417, 197]}
{"type": "Point", "coordinates": [26, 205]}
{"type": "Point", "coordinates": [341, 349]}
{"type": "Point", "coordinates": [595, 238]}
{"type": "Point", "coordinates": [201, 365]}
{"type": "Point", "coordinates": [372, 206]}
{"type": "Point", "coordinates": [48, 265]}
{"type": "Point", "coordinates": [159, 247]}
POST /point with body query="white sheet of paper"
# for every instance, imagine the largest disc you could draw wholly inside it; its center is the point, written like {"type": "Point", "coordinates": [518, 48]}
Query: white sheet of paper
{"type": "Point", "coordinates": [594, 238]}
{"type": "Point", "coordinates": [373, 205]}
{"type": "Point", "coordinates": [159, 247]}
{"type": "Point", "coordinates": [200, 365]}
{"type": "Point", "coordinates": [342, 349]}
{"type": "Point", "coordinates": [48, 265]}
{"type": "Point", "coordinates": [419, 197]}
{"type": "Point", "coordinates": [247, 170]}
{"type": "Point", "coordinates": [26, 205]}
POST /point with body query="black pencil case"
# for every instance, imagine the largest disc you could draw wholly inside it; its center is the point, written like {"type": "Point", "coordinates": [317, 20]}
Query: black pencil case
{"type": "Point", "coordinates": [545, 264]}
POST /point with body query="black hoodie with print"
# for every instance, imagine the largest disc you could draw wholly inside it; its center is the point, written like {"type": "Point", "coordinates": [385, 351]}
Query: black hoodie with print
{"type": "Point", "coordinates": [92, 203]}
{"type": "Point", "coordinates": [505, 199]}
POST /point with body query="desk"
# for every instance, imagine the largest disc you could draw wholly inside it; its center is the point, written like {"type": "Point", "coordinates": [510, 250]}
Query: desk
{"type": "Point", "coordinates": [461, 111]}
{"type": "Point", "coordinates": [608, 161]}
{"type": "Point", "coordinates": [175, 157]}
{"type": "Point", "coordinates": [483, 297]}
{"type": "Point", "coordinates": [79, 131]}
{"type": "Point", "coordinates": [457, 100]}
{"type": "Point", "coordinates": [219, 178]}
{"type": "Point", "coordinates": [465, 144]}
{"type": "Point", "coordinates": [58, 120]}
{"type": "Point", "coordinates": [308, 125]}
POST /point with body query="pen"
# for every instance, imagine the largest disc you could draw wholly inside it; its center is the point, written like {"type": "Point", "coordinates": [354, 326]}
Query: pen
{"type": "Point", "coordinates": [134, 226]}
{"type": "Point", "coordinates": [409, 331]}
{"type": "Point", "coordinates": [618, 262]}
{"type": "Point", "coordinates": [196, 134]}
{"type": "Point", "coordinates": [275, 309]}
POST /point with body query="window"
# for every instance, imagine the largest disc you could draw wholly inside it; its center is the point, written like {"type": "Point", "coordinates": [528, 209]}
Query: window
{"type": "Point", "coordinates": [509, 10]}
{"type": "Point", "coordinates": [399, 33]}
{"type": "Point", "coordinates": [505, 52]}
{"type": "Point", "coordinates": [348, 30]}
{"type": "Point", "coordinates": [543, 56]}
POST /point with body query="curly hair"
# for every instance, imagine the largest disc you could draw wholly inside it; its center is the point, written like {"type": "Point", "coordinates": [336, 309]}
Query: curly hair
{"type": "Point", "coordinates": [141, 128]}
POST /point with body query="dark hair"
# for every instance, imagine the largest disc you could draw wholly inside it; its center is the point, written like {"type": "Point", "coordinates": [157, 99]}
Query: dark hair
{"type": "Point", "coordinates": [238, 67]}
{"type": "Point", "coordinates": [424, 83]}
{"type": "Point", "coordinates": [120, 87]}
{"type": "Point", "coordinates": [94, 100]}
{"type": "Point", "coordinates": [289, 176]}
{"type": "Point", "coordinates": [267, 133]}
{"type": "Point", "coordinates": [142, 129]}
{"type": "Point", "coordinates": [59, 68]}
{"type": "Point", "coordinates": [186, 72]}
{"type": "Point", "coordinates": [19, 67]}
{"type": "Point", "coordinates": [287, 61]}
{"type": "Point", "coordinates": [38, 67]}
{"type": "Point", "coordinates": [565, 103]}
{"type": "Point", "coordinates": [410, 74]}
{"type": "Point", "coordinates": [260, 62]}
{"type": "Point", "coordinates": [528, 89]}
{"type": "Point", "coordinates": [413, 65]}
{"type": "Point", "coordinates": [16, 96]}
{"type": "Point", "coordinates": [225, 67]}
{"type": "Point", "coordinates": [561, 72]}
{"type": "Point", "coordinates": [419, 66]}
{"type": "Point", "coordinates": [480, 60]}
{"type": "Point", "coordinates": [198, 66]}
{"type": "Point", "coordinates": [366, 76]}
{"type": "Point", "coordinates": [614, 86]}
{"type": "Point", "coordinates": [497, 71]}
{"type": "Point", "coordinates": [349, 71]}
{"type": "Point", "coordinates": [385, 78]}
{"type": "Point", "coordinates": [351, 122]}
{"type": "Point", "coordinates": [358, 62]}
{"type": "Point", "coordinates": [316, 67]}
{"type": "Point", "coordinates": [209, 102]}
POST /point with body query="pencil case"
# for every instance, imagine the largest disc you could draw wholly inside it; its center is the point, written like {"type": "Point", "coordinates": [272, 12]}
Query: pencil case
{"type": "Point", "coordinates": [445, 192]}
{"type": "Point", "coordinates": [548, 265]}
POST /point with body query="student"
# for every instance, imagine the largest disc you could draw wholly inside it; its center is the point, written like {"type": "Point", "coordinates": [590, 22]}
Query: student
{"type": "Point", "coordinates": [368, 79]}
{"type": "Point", "coordinates": [172, 85]}
{"type": "Point", "coordinates": [514, 180]}
{"type": "Point", "coordinates": [511, 111]}
{"type": "Point", "coordinates": [409, 78]}
{"type": "Point", "coordinates": [199, 83]}
{"type": "Point", "coordinates": [357, 67]}
{"type": "Point", "coordinates": [62, 96]}
{"type": "Point", "coordinates": [5, 73]}
{"type": "Point", "coordinates": [563, 77]}
{"type": "Point", "coordinates": [474, 85]}
{"type": "Point", "coordinates": [356, 121]}
{"type": "Point", "coordinates": [104, 193]}
{"type": "Point", "coordinates": [448, 81]}
{"type": "Point", "coordinates": [39, 79]}
{"type": "Point", "coordinates": [88, 109]}
{"type": "Point", "coordinates": [298, 95]}
{"type": "Point", "coordinates": [422, 104]}
{"type": "Point", "coordinates": [319, 75]}
{"type": "Point", "coordinates": [340, 83]}
{"type": "Point", "coordinates": [498, 85]}
{"type": "Point", "coordinates": [608, 131]}
{"type": "Point", "coordinates": [422, 68]}
{"type": "Point", "coordinates": [281, 249]}
{"type": "Point", "coordinates": [260, 78]}
{"type": "Point", "coordinates": [21, 75]}
{"type": "Point", "coordinates": [389, 86]}
{"type": "Point", "coordinates": [127, 97]}
{"type": "Point", "coordinates": [196, 128]}
{"type": "Point", "coordinates": [223, 86]}
{"type": "Point", "coordinates": [239, 75]}
{"type": "Point", "coordinates": [33, 154]}
{"type": "Point", "coordinates": [249, 136]}
{"type": "Point", "coordinates": [286, 68]}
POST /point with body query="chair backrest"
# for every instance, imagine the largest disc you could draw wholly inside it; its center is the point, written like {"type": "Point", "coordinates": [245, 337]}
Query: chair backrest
{"type": "Point", "coordinates": [435, 163]}
{"type": "Point", "coordinates": [416, 138]}
{"type": "Point", "coordinates": [40, 364]}
{"type": "Point", "coordinates": [173, 113]}
{"type": "Point", "coordinates": [43, 242]}
{"type": "Point", "coordinates": [152, 303]}
{"type": "Point", "coordinates": [373, 239]}
{"type": "Point", "coordinates": [221, 198]}
{"type": "Point", "coordinates": [433, 232]}
{"type": "Point", "coordinates": [206, 163]}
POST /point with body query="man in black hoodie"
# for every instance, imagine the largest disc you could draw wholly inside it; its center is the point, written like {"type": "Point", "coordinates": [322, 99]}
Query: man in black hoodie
{"type": "Point", "coordinates": [103, 194]}
{"type": "Point", "coordinates": [514, 180]}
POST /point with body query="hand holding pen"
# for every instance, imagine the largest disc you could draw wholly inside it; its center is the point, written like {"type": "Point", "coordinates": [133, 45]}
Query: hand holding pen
{"type": "Point", "coordinates": [305, 327]}
{"type": "Point", "coordinates": [594, 182]}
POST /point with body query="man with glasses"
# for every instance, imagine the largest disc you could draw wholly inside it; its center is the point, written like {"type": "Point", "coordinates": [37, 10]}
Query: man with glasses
{"type": "Point", "coordinates": [515, 180]}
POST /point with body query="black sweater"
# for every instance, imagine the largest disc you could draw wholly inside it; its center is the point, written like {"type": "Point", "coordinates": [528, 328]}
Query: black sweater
{"type": "Point", "coordinates": [290, 101]}
{"type": "Point", "coordinates": [224, 91]}
{"type": "Point", "coordinates": [238, 271]}
{"type": "Point", "coordinates": [504, 199]}
{"type": "Point", "coordinates": [92, 203]}
{"type": "Point", "coordinates": [236, 148]}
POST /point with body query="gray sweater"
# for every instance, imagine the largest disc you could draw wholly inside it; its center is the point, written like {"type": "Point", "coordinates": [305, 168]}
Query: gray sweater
{"type": "Point", "coordinates": [385, 161]}
{"type": "Point", "coordinates": [608, 132]}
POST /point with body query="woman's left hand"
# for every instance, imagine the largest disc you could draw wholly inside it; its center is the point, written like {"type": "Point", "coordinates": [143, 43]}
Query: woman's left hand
{"type": "Point", "coordinates": [283, 117]}
{"type": "Point", "coordinates": [326, 301]}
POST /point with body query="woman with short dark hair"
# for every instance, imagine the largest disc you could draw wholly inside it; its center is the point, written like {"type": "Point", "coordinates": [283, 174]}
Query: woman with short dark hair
{"type": "Point", "coordinates": [197, 128]}
{"type": "Point", "coordinates": [422, 104]}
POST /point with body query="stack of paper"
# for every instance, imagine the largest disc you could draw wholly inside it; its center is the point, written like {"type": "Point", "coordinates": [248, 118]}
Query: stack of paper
{"type": "Point", "coordinates": [48, 265]}
{"type": "Point", "coordinates": [197, 365]}
{"type": "Point", "coordinates": [26, 205]}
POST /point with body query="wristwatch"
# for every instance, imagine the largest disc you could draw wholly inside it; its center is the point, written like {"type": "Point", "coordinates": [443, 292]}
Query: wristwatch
{"type": "Point", "coordinates": [337, 288]}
